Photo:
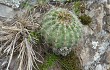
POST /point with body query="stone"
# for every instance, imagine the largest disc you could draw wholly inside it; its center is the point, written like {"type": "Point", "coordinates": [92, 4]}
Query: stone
{"type": "Point", "coordinates": [64, 51]}
{"type": "Point", "coordinates": [100, 67]}
{"type": "Point", "coordinates": [95, 54]}
{"type": "Point", "coordinates": [6, 12]}
{"type": "Point", "coordinates": [108, 1]}
{"type": "Point", "coordinates": [85, 56]}
{"type": "Point", "coordinates": [106, 26]}
{"type": "Point", "coordinates": [11, 3]}
{"type": "Point", "coordinates": [17, 3]}
{"type": "Point", "coordinates": [32, 2]}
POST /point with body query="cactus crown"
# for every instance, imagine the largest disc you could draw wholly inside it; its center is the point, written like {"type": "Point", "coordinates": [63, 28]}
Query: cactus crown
{"type": "Point", "coordinates": [64, 17]}
{"type": "Point", "coordinates": [61, 27]}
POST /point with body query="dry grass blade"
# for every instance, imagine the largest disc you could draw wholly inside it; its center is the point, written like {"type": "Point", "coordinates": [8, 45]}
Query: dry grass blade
{"type": "Point", "coordinates": [17, 40]}
{"type": "Point", "coordinates": [2, 38]}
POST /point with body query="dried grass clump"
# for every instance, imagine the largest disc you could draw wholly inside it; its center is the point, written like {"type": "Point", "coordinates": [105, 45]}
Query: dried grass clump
{"type": "Point", "coordinates": [16, 40]}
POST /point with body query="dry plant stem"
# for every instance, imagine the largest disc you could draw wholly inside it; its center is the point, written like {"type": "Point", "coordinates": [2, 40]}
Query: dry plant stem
{"type": "Point", "coordinates": [2, 38]}
{"type": "Point", "coordinates": [10, 28]}
{"type": "Point", "coordinates": [16, 38]}
{"type": "Point", "coordinates": [12, 45]}
{"type": "Point", "coordinates": [26, 50]}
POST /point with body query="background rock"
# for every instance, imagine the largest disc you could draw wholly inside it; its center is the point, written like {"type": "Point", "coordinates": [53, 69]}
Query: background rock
{"type": "Point", "coordinates": [6, 12]}
{"type": "Point", "coordinates": [12, 3]}
{"type": "Point", "coordinates": [95, 45]}
{"type": "Point", "coordinates": [95, 53]}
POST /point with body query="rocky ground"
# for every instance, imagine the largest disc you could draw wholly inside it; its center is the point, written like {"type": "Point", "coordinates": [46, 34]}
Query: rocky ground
{"type": "Point", "coordinates": [94, 47]}
{"type": "Point", "coordinates": [95, 53]}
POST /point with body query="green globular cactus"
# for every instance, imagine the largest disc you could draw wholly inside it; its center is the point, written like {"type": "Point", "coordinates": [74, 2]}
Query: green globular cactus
{"type": "Point", "coordinates": [61, 28]}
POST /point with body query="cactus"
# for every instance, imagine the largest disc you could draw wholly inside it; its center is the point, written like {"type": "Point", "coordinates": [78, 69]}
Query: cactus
{"type": "Point", "coordinates": [61, 28]}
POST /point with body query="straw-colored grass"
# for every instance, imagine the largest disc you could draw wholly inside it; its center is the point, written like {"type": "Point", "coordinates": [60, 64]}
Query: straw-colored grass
{"type": "Point", "coordinates": [16, 38]}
